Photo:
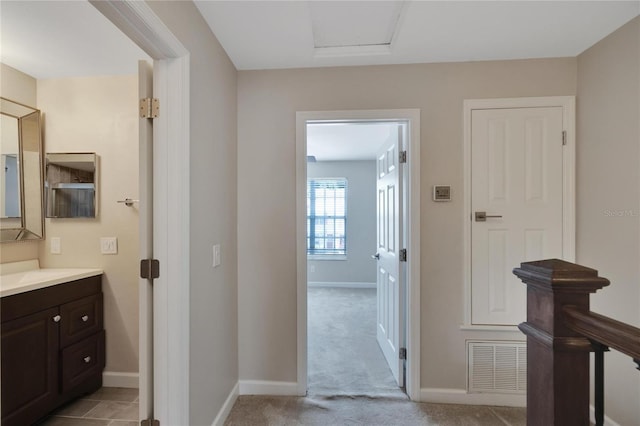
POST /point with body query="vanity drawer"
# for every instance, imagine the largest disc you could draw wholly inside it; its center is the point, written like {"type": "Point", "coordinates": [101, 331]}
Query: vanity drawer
{"type": "Point", "coordinates": [82, 360]}
{"type": "Point", "coordinates": [80, 318]}
{"type": "Point", "coordinates": [19, 305]}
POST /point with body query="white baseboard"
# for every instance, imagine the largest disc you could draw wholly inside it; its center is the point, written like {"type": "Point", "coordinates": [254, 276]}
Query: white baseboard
{"type": "Point", "coordinates": [227, 406]}
{"type": "Point", "coordinates": [607, 420]}
{"type": "Point", "coordinates": [116, 379]}
{"type": "Point", "coordinates": [434, 395]}
{"type": "Point", "coordinates": [263, 387]}
{"type": "Point", "coordinates": [340, 284]}
{"type": "Point", "coordinates": [461, 396]}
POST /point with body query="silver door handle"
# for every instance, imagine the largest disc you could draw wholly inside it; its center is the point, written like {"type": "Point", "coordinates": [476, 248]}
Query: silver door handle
{"type": "Point", "coordinates": [482, 216]}
{"type": "Point", "coordinates": [128, 202]}
{"type": "Point", "coordinates": [57, 318]}
{"type": "Point", "coordinates": [376, 256]}
{"type": "Point", "coordinates": [87, 359]}
{"type": "Point", "coordinates": [85, 318]}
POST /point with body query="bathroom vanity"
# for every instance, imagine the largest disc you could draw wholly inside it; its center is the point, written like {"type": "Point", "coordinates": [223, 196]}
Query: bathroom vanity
{"type": "Point", "coordinates": [52, 339]}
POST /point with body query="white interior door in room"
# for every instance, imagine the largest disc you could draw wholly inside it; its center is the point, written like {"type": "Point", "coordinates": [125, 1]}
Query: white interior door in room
{"type": "Point", "coordinates": [145, 91]}
{"type": "Point", "coordinates": [517, 198]}
{"type": "Point", "coordinates": [390, 325]}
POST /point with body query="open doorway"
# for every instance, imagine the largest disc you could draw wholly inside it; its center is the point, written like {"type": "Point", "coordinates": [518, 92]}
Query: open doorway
{"type": "Point", "coordinates": [357, 286]}
{"type": "Point", "coordinates": [169, 332]}
{"type": "Point", "coordinates": [118, 169]}
{"type": "Point", "coordinates": [345, 314]}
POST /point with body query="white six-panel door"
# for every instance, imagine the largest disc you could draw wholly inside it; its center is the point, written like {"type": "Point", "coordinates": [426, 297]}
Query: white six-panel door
{"type": "Point", "coordinates": [390, 290]}
{"type": "Point", "coordinates": [516, 176]}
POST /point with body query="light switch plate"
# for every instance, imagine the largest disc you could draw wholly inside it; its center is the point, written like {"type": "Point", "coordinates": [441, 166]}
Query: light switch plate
{"type": "Point", "coordinates": [55, 246]}
{"type": "Point", "coordinates": [216, 255]}
{"type": "Point", "coordinates": [109, 245]}
{"type": "Point", "coordinates": [441, 193]}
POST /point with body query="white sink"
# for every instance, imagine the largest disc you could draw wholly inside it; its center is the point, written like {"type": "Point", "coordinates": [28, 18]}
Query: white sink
{"type": "Point", "coordinates": [19, 277]}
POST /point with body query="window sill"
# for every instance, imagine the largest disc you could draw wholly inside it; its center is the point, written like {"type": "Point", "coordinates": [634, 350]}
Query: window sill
{"type": "Point", "coordinates": [326, 257]}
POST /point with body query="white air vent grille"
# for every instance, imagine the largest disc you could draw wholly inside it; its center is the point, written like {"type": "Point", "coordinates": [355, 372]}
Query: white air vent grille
{"type": "Point", "coordinates": [497, 367]}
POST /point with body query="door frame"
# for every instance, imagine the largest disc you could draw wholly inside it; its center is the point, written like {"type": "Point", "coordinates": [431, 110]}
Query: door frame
{"type": "Point", "coordinates": [567, 103]}
{"type": "Point", "coordinates": [412, 232]}
{"type": "Point", "coordinates": [139, 22]}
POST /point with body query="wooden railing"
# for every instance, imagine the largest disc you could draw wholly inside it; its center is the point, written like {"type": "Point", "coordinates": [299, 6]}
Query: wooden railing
{"type": "Point", "coordinates": [561, 332]}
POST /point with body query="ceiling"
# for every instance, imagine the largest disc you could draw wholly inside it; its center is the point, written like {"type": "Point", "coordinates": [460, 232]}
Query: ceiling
{"type": "Point", "coordinates": [48, 39]}
{"type": "Point", "coordinates": [51, 39]}
{"type": "Point", "coordinates": [347, 141]}
{"type": "Point", "coordinates": [295, 34]}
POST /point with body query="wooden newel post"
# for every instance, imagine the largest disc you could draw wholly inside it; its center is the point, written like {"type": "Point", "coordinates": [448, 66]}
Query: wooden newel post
{"type": "Point", "coordinates": [557, 358]}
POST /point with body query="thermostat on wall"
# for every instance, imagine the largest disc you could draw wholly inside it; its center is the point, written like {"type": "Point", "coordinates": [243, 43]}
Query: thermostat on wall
{"type": "Point", "coordinates": [441, 193]}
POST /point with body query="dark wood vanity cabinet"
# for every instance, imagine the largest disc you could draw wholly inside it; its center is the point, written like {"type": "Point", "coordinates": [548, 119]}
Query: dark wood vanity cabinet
{"type": "Point", "coordinates": [52, 348]}
{"type": "Point", "coordinates": [29, 366]}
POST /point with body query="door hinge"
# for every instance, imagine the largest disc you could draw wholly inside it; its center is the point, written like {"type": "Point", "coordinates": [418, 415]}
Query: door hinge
{"type": "Point", "coordinates": [149, 107]}
{"type": "Point", "coordinates": [403, 255]}
{"type": "Point", "coordinates": [564, 137]}
{"type": "Point", "coordinates": [403, 353]}
{"type": "Point", "coordinates": [149, 269]}
{"type": "Point", "coordinates": [150, 422]}
{"type": "Point", "coordinates": [403, 157]}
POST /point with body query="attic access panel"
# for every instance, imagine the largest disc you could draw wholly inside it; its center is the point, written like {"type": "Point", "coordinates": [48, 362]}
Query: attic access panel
{"type": "Point", "coordinates": [354, 23]}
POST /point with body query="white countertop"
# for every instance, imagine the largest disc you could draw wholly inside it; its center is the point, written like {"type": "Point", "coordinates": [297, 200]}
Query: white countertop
{"type": "Point", "coordinates": [20, 277]}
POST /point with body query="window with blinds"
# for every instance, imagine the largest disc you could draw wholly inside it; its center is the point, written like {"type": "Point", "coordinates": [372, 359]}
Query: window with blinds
{"type": "Point", "coordinates": [327, 216]}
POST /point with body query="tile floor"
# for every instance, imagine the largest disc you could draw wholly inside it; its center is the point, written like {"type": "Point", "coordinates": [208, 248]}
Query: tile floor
{"type": "Point", "coordinates": [106, 406]}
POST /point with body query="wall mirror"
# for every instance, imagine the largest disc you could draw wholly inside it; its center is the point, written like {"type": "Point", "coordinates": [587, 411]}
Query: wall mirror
{"type": "Point", "coordinates": [21, 189]}
{"type": "Point", "coordinates": [71, 183]}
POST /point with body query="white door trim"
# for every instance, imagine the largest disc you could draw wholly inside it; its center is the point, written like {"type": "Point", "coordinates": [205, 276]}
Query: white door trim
{"type": "Point", "coordinates": [412, 225]}
{"type": "Point", "coordinates": [567, 103]}
{"type": "Point", "coordinates": [170, 202]}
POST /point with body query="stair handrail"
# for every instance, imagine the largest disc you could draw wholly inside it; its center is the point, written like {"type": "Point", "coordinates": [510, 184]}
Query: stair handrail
{"type": "Point", "coordinates": [607, 331]}
{"type": "Point", "coordinates": [561, 332]}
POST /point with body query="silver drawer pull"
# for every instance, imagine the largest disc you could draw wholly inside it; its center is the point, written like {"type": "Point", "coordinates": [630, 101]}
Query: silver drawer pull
{"type": "Point", "coordinates": [87, 359]}
{"type": "Point", "coordinates": [85, 318]}
{"type": "Point", "coordinates": [57, 318]}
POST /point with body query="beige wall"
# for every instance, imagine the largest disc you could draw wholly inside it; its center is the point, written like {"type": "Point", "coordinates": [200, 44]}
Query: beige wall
{"type": "Point", "coordinates": [19, 87]}
{"type": "Point", "coordinates": [214, 314]}
{"type": "Point", "coordinates": [608, 198]}
{"type": "Point", "coordinates": [99, 114]}
{"type": "Point", "coordinates": [267, 103]}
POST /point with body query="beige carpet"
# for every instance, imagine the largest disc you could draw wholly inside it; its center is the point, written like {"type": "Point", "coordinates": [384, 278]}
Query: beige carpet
{"type": "Point", "coordinates": [344, 410]}
{"type": "Point", "coordinates": [343, 355]}
{"type": "Point", "coordinates": [349, 382]}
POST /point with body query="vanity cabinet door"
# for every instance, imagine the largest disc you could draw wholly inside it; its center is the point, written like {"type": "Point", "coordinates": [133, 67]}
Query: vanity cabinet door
{"type": "Point", "coordinates": [29, 366]}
